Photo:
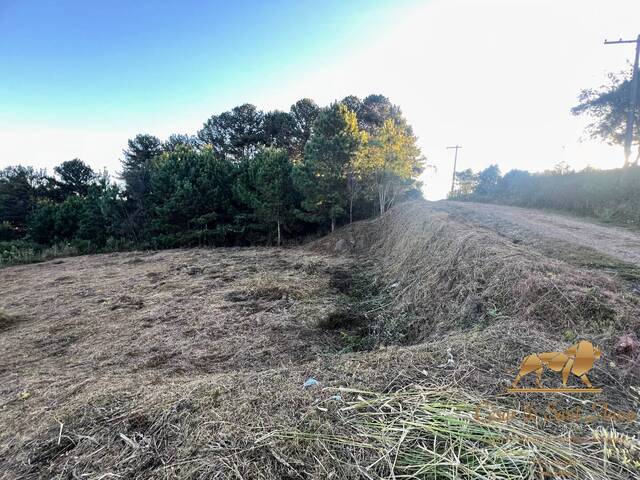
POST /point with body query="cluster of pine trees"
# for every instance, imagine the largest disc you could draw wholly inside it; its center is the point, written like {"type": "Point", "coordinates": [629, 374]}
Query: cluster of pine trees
{"type": "Point", "coordinates": [246, 177]}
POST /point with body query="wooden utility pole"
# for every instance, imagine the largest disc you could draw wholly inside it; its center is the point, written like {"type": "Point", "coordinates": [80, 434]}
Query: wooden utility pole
{"type": "Point", "coordinates": [455, 163]}
{"type": "Point", "coordinates": [628, 137]}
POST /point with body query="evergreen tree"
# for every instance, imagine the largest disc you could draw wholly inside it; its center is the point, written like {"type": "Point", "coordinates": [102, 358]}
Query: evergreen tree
{"type": "Point", "coordinates": [236, 134]}
{"type": "Point", "coordinates": [42, 223]}
{"type": "Point", "coordinates": [136, 173]}
{"type": "Point", "coordinates": [101, 217]}
{"type": "Point", "coordinates": [279, 131]}
{"type": "Point", "coordinates": [74, 177]}
{"type": "Point", "coordinates": [20, 188]}
{"type": "Point", "coordinates": [191, 197]}
{"type": "Point", "coordinates": [354, 104]}
{"type": "Point", "coordinates": [488, 181]}
{"type": "Point", "coordinates": [266, 185]}
{"type": "Point", "coordinates": [304, 113]}
{"type": "Point", "coordinates": [176, 140]}
{"type": "Point", "coordinates": [375, 110]}
{"type": "Point", "coordinates": [328, 160]}
{"type": "Point", "coordinates": [465, 181]}
{"type": "Point", "coordinates": [55, 222]}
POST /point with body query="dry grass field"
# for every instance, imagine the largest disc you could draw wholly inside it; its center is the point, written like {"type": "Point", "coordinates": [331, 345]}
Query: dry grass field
{"type": "Point", "coordinates": [191, 363]}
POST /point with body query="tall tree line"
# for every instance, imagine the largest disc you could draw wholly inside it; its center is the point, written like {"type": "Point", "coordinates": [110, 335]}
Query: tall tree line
{"type": "Point", "coordinates": [245, 177]}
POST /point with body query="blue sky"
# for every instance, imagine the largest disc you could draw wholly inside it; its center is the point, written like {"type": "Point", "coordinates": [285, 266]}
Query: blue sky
{"type": "Point", "coordinates": [78, 78]}
{"type": "Point", "coordinates": [101, 61]}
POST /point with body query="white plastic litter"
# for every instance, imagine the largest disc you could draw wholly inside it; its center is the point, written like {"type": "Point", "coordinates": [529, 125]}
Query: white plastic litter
{"type": "Point", "coordinates": [310, 382]}
{"type": "Point", "coordinates": [450, 361]}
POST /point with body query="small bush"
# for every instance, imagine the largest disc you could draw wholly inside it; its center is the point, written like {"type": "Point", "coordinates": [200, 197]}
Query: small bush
{"type": "Point", "coordinates": [18, 251]}
{"type": "Point", "coordinates": [22, 251]}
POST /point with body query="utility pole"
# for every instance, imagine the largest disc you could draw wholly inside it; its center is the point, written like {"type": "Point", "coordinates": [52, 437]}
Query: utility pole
{"type": "Point", "coordinates": [632, 101]}
{"type": "Point", "coordinates": [455, 163]}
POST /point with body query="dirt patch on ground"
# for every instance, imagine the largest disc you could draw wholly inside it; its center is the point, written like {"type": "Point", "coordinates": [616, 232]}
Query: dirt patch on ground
{"type": "Point", "coordinates": [539, 228]}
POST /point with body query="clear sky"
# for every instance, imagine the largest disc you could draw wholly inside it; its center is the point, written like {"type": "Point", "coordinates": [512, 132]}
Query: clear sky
{"type": "Point", "coordinates": [78, 78]}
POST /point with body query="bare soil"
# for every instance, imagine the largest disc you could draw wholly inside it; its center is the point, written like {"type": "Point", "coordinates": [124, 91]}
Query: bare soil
{"type": "Point", "coordinates": [536, 227]}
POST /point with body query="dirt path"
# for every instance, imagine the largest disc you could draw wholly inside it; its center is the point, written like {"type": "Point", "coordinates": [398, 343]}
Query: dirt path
{"type": "Point", "coordinates": [533, 226]}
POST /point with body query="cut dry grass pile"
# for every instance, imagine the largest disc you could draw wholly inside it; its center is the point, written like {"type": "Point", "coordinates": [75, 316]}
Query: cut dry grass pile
{"type": "Point", "coordinates": [421, 432]}
{"type": "Point", "coordinates": [453, 285]}
{"type": "Point", "coordinates": [264, 426]}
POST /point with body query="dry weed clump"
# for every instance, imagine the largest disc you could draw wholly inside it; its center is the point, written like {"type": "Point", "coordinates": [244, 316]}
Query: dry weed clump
{"type": "Point", "coordinates": [270, 287]}
{"type": "Point", "coordinates": [620, 447]}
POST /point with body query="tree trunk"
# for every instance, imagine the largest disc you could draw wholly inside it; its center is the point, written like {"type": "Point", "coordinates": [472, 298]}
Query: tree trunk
{"type": "Point", "coordinates": [382, 191]}
{"type": "Point", "coordinates": [333, 223]}
{"type": "Point", "coordinates": [351, 210]}
{"type": "Point", "coordinates": [279, 237]}
{"type": "Point", "coordinates": [392, 200]}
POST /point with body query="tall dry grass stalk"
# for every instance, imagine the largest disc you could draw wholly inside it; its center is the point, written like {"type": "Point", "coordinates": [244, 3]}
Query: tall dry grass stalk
{"type": "Point", "coordinates": [445, 433]}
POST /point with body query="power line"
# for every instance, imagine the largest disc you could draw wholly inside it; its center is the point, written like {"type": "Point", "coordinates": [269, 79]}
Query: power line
{"type": "Point", "coordinates": [455, 162]}
{"type": "Point", "coordinates": [632, 101]}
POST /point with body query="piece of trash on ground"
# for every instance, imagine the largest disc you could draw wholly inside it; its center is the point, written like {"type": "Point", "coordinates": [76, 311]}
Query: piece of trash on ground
{"type": "Point", "coordinates": [310, 382]}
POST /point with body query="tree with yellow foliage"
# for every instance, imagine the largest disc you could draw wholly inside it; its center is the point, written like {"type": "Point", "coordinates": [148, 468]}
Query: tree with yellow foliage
{"type": "Point", "coordinates": [390, 160]}
{"type": "Point", "coordinates": [326, 174]}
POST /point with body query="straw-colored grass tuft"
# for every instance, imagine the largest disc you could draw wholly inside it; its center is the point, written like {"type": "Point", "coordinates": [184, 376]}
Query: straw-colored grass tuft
{"type": "Point", "coordinates": [445, 433]}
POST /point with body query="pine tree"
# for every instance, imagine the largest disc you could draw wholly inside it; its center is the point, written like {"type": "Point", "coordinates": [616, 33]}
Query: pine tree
{"type": "Point", "coordinates": [136, 173]}
{"type": "Point", "coordinates": [328, 161]}
{"type": "Point", "coordinates": [266, 185]}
